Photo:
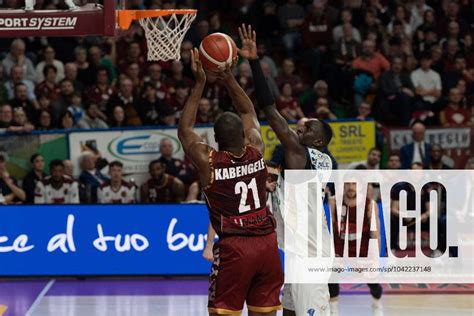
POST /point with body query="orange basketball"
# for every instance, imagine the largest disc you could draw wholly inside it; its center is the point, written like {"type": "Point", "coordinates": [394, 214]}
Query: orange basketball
{"type": "Point", "coordinates": [217, 50]}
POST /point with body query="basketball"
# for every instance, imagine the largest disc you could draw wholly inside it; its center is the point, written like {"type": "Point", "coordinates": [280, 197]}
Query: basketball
{"type": "Point", "coordinates": [217, 50]}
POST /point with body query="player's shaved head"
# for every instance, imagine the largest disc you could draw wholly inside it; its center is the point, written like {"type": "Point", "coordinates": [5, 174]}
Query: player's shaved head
{"type": "Point", "coordinates": [229, 131]}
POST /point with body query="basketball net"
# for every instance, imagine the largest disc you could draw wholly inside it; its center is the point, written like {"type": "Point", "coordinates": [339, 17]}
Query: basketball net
{"type": "Point", "coordinates": [164, 35]}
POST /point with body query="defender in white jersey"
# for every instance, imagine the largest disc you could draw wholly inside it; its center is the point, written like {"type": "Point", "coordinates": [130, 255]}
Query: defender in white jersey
{"type": "Point", "coordinates": [57, 188]}
{"type": "Point", "coordinates": [302, 150]}
{"type": "Point", "coordinates": [116, 190]}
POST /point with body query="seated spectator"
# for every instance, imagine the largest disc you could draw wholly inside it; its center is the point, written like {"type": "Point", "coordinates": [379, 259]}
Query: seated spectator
{"type": "Point", "coordinates": [70, 73]}
{"type": "Point", "coordinates": [49, 55]}
{"type": "Point", "coordinates": [64, 101]}
{"type": "Point", "coordinates": [6, 116]}
{"type": "Point", "coordinates": [436, 158]}
{"type": "Point", "coordinates": [134, 54]}
{"type": "Point", "coordinates": [10, 192]}
{"type": "Point", "coordinates": [76, 109]}
{"type": "Point", "coordinates": [448, 60]}
{"type": "Point", "coordinates": [44, 122]}
{"type": "Point", "coordinates": [116, 190]}
{"type": "Point", "coordinates": [56, 188]}
{"type": "Point", "coordinates": [291, 17]}
{"type": "Point", "coordinates": [20, 122]}
{"type": "Point", "coordinates": [393, 162]}
{"type": "Point", "coordinates": [287, 75]}
{"type": "Point", "coordinates": [125, 98]}
{"type": "Point", "coordinates": [16, 77]}
{"type": "Point", "coordinates": [98, 60]}
{"type": "Point", "coordinates": [467, 96]}
{"type": "Point", "coordinates": [66, 121]}
{"type": "Point", "coordinates": [35, 175]}
{"type": "Point", "coordinates": [17, 58]}
{"type": "Point", "coordinates": [149, 105]}
{"type": "Point", "coordinates": [20, 100]}
{"type": "Point", "coordinates": [177, 77]}
{"type": "Point", "coordinates": [319, 90]}
{"type": "Point", "coordinates": [118, 117]}
{"type": "Point", "coordinates": [427, 84]}
{"type": "Point", "coordinates": [133, 73]}
{"type": "Point", "coordinates": [265, 58]}
{"type": "Point", "coordinates": [206, 114]}
{"type": "Point", "coordinates": [156, 79]}
{"type": "Point", "coordinates": [161, 187]}
{"type": "Point", "coordinates": [48, 87]}
{"type": "Point", "coordinates": [288, 105]}
{"type": "Point", "coordinates": [470, 164]}
{"type": "Point", "coordinates": [397, 94]}
{"type": "Point", "coordinates": [101, 92]}
{"type": "Point", "coordinates": [90, 178]}
{"type": "Point", "coordinates": [84, 72]}
{"type": "Point", "coordinates": [168, 117]}
{"type": "Point", "coordinates": [174, 166]}
{"type": "Point", "coordinates": [346, 19]}
{"type": "Point", "coordinates": [91, 119]}
{"type": "Point", "coordinates": [364, 111]}
{"type": "Point", "coordinates": [372, 162]}
{"type": "Point", "coordinates": [454, 114]}
{"type": "Point", "coordinates": [267, 72]}
{"type": "Point", "coordinates": [322, 111]}
{"type": "Point", "coordinates": [403, 17]}
{"type": "Point", "coordinates": [179, 98]}
{"type": "Point", "coordinates": [371, 61]}
{"type": "Point", "coordinates": [68, 168]}
{"type": "Point", "coordinates": [460, 71]}
{"type": "Point", "coordinates": [418, 151]}
{"type": "Point", "coordinates": [453, 34]}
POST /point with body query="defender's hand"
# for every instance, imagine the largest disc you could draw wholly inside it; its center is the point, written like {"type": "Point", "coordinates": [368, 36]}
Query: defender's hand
{"type": "Point", "coordinates": [196, 67]}
{"type": "Point", "coordinates": [249, 42]}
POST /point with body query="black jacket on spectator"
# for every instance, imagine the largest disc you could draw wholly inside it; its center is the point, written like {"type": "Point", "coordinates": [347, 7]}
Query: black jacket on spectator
{"type": "Point", "coordinates": [88, 186]}
{"type": "Point", "coordinates": [29, 186]}
{"type": "Point", "coordinates": [406, 155]}
{"type": "Point", "coordinates": [176, 168]}
{"type": "Point", "coordinates": [389, 85]}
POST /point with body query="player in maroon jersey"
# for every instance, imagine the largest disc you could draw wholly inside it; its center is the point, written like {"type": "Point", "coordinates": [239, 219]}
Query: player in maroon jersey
{"type": "Point", "coordinates": [349, 216]}
{"type": "Point", "coordinates": [246, 266]}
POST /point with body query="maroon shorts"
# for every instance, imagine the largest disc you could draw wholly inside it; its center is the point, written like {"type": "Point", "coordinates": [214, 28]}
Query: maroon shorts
{"type": "Point", "coordinates": [245, 269]}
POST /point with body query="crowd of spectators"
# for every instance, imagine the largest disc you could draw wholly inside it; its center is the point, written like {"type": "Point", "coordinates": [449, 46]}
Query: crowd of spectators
{"type": "Point", "coordinates": [403, 63]}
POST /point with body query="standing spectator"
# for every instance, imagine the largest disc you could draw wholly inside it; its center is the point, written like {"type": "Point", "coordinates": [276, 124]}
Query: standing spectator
{"type": "Point", "coordinates": [35, 175]}
{"type": "Point", "coordinates": [288, 105]}
{"type": "Point", "coordinates": [48, 87]}
{"type": "Point", "coordinates": [436, 160]}
{"type": "Point", "coordinates": [70, 73]}
{"type": "Point", "coordinates": [288, 76]}
{"type": "Point", "coordinates": [454, 114]}
{"type": "Point", "coordinates": [418, 151]}
{"type": "Point", "coordinates": [91, 119]}
{"type": "Point", "coordinates": [49, 59]}
{"type": "Point", "coordinates": [57, 188]}
{"type": "Point", "coordinates": [394, 162]}
{"type": "Point", "coordinates": [149, 105]}
{"type": "Point", "coordinates": [372, 162]}
{"type": "Point", "coordinates": [174, 166]}
{"type": "Point", "coordinates": [427, 84]}
{"type": "Point", "coordinates": [17, 57]}
{"type": "Point", "coordinates": [161, 187]}
{"type": "Point", "coordinates": [16, 77]}
{"type": "Point", "coordinates": [10, 192]}
{"type": "Point", "coordinates": [397, 93]}
{"type": "Point", "coordinates": [291, 16]}
{"type": "Point", "coordinates": [125, 98]}
{"type": "Point", "coordinates": [90, 178]}
{"type": "Point", "coordinates": [116, 190]}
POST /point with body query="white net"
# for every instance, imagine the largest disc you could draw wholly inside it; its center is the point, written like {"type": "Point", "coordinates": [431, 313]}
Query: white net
{"type": "Point", "coordinates": [164, 35]}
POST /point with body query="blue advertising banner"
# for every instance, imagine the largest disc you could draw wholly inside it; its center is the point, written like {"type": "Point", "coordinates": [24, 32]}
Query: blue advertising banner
{"type": "Point", "coordinates": [103, 240]}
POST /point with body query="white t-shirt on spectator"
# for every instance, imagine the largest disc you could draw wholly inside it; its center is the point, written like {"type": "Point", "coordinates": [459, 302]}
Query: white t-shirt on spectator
{"type": "Point", "coordinates": [124, 195]}
{"type": "Point", "coordinates": [68, 193]}
{"type": "Point", "coordinates": [427, 80]}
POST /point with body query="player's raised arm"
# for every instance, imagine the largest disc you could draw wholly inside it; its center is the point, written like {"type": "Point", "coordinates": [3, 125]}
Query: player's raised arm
{"type": "Point", "coordinates": [192, 143]}
{"type": "Point", "coordinates": [265, 99]}
{"type": "Point", "coordinates": [245, 109]}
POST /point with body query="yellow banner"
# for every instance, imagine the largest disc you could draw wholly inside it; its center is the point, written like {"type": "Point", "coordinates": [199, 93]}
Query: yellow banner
{"type": "Point", "coordinates": [351, 142]}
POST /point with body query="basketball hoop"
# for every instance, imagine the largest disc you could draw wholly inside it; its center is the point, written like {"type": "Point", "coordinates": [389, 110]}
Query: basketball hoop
{"type": "Point", "coordinates": [164, 30]}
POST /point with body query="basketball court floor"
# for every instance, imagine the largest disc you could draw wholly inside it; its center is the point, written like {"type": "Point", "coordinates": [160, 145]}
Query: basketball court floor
{"type": "Point", "coordinates": [170, 297]}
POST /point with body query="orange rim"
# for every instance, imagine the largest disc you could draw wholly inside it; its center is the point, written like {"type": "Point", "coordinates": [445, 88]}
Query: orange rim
{"type": "Point", "coordinates": [126, 17]}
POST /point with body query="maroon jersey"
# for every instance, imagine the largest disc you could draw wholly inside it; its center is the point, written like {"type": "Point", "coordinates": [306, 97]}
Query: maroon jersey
{"type": "Point", "coordinates": [236, 196]}
{"type": "Point", "coordinates": [160, 193]}
{"type": "Point", "coordinates": [350, 214]}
